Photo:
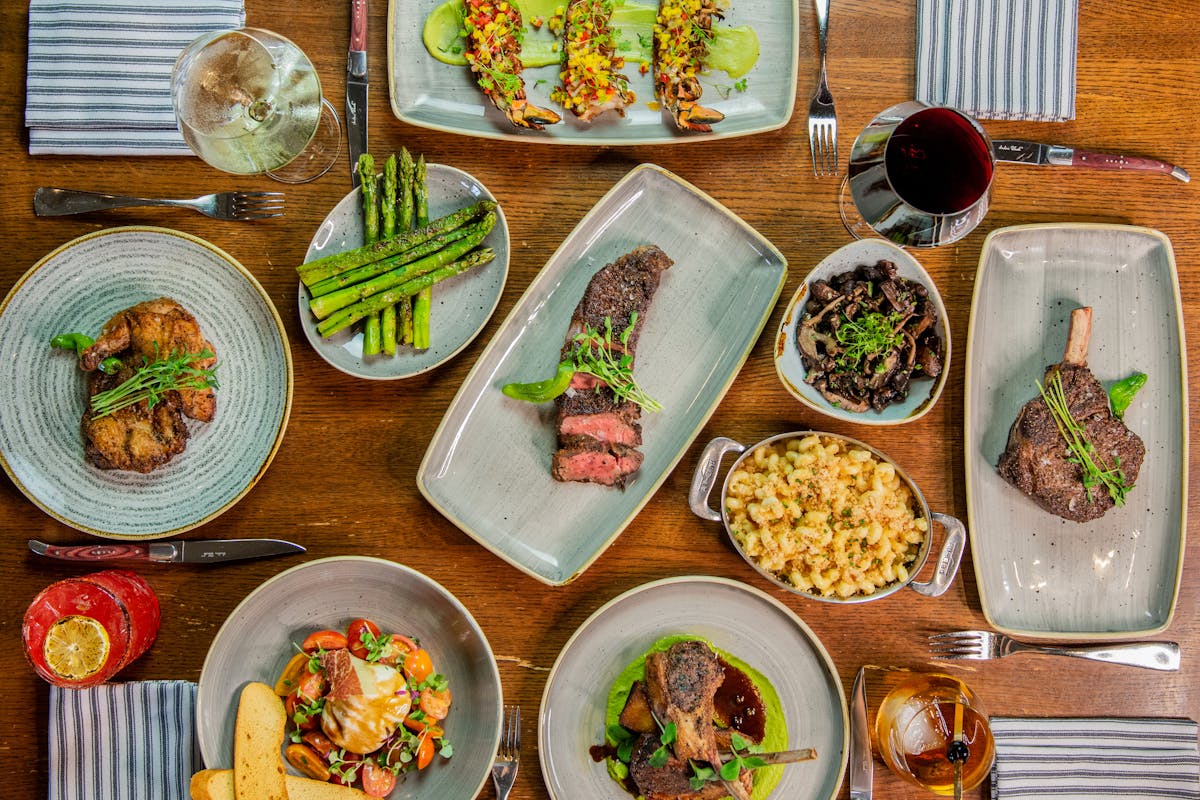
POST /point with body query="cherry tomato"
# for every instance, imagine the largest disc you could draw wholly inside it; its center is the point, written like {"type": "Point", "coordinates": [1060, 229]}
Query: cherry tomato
{"type": "Point", "coordinates": [425, 752]}
{"type": "Point", "coordinates": [289, 679]}
{"type": "Point", "coordinates": [305, 759]}
{"type": "Point", "coordinates": [358, 630]}
{"type": "Point", "coordinates": [294, 702]}
{"type": "Point", "coordinates": [418, 665]}
{"type": "Point", "coordinates": [435, 704]}
{"type": "Point", "coordinates": [377, 781]}
{"type": "Point", "coordinates": [397, 649]}
{"type": "Point", "coordinates": [319, 742]}
{"type": "Point", "coordinates": [422, 725]}
{"type": "Point", "coordinates": [323, 640]}
{"type": "Point", "coordinates": [312, 686]}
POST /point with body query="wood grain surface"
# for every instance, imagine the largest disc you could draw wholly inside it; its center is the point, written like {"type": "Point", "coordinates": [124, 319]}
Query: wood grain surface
{"type": "Point", "coordinates": [344, 480]}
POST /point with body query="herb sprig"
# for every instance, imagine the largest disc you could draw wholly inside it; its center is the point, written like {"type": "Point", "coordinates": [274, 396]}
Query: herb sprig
{"type": "Point", "coordinates": [597, 354]}
{"type": "Point", "coordinates": [870, 335]}
{"type": "Point", "coordinates": [154, 379]}
{"type": "Point", "coordinates": [1095, 472]}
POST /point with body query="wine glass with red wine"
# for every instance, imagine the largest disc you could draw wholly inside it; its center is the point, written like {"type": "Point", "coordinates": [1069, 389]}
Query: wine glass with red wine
{"type": "Point", "coordinates": [919, 175]}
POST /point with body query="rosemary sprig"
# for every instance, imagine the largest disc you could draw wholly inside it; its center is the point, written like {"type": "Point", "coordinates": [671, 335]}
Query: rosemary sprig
{"type": "Point", "coordinates": [1083, 452]}
{"type": "Point", "coordinates": [154, 379]}
{"type": "Point", "coordinates": [597, 354]}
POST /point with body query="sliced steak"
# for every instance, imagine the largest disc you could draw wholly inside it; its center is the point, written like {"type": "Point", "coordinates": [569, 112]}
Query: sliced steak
{"type": "Point", "coordinates": [597, 433]}
{"type": "Point", "coordinates": [1037, 460]}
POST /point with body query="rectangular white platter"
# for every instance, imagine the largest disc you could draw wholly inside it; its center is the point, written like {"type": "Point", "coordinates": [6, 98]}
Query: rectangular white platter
{"type": "Point", "coordinates": [1039, 575]}
{"type": "Point", "coordinates": [488, 466]}
{"type": "Point", "coordinates": [431, 94]}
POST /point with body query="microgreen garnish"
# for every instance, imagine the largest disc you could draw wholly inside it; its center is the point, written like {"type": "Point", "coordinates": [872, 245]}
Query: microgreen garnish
{"type": "Point", "coordinates": [660, 756]}
{"type": "Point", "coordinates": [347, 770]}
{"type": "Point", "coordinates": [1083, 452]}
{"type": "Point", "coordinates": [870, 335]}
{"type": "Point", "coordinates": [597, 354]}
{"type": "Point", "coordinates": [742, 757]}
{"type": "Point", "coordinates": [624, 740]}
{"type": "Point", "coordinates": [154, 379]}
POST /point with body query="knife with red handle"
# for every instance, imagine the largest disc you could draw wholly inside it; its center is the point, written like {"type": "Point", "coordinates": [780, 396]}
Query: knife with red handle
{"type": "Point", "coordinates": [1018, 151]}
{"type": "Point", "coordinates": [198, 551]}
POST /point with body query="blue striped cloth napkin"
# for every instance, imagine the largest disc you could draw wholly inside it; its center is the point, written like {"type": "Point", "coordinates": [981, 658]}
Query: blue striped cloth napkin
{"type": "Point", "coordinates": [998, 59]}
{"type": "Point", "coordinates": [1090, 758]}
{"type": "Point", "coordinates": [123, 741]}
{"type": "Point", "coordinates": [99, 76]}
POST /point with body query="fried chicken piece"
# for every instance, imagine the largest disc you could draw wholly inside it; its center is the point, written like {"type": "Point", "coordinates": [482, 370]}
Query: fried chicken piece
{"type": "Point", "coordinates": [137, 437]}
{"type": "Point", "coordinates": [153, 330]}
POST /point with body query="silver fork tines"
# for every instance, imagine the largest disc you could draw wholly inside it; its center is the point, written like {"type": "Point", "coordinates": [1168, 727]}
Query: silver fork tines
{"type": "Point", "coordinates": [53, 202]}
{"type": "Point", "coordinates": [504, 771]}
{"type": "Point", "coordinates": [822, 117]}
{"type": "Point", "coordinates": [984, 645]}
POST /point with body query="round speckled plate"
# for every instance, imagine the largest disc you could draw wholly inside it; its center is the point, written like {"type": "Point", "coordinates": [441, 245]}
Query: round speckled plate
{"type": "Point", "coordinates": [77, 288]}
{"type": "Point", "coordinates": [924, 392]}
{"type": "Point", "coordinates": [734, 617]}
{"type": "Point", "coordinates": [461, 306]}
{"type": "Point", "coordinates": [262, 633]}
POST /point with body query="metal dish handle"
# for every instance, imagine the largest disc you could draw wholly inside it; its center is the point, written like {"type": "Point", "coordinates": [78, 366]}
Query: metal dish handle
{"type": "Point", "coordinates": [705, 476]}
{"type": "Point", "coordinates": [948, 559]}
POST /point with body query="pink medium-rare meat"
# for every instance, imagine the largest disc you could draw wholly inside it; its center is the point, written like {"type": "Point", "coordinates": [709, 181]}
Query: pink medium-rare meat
{"type": "Point", "coordinates": [597, 432]}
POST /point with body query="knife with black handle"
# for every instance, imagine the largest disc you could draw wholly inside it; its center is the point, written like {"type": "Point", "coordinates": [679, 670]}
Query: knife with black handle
{"type": "Point", "coordinates": [1018, 151]}
{"type": "Point", "coordinates": [198, 551]}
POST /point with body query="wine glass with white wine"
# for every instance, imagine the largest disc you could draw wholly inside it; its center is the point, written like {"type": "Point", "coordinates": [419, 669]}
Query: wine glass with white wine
{"type": "Point", "coordinates": [248, 101]}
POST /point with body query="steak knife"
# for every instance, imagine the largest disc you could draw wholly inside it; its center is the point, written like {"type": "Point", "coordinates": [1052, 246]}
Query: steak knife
{"type": "Point", "coordinates": [356, 86]}
{"type": "Point", "coordinates": [198, 551]}
{"type": "Point", "coordinates": [861, 760]}
{"type": "Point", "coordinates": [1018, 151]}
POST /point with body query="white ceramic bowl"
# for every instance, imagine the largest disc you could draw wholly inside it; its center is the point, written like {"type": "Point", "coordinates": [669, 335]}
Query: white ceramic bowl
{"type": "Point", "coordinates": [260, 635]}
{"type": "Point", "coordinates": [923, 392]}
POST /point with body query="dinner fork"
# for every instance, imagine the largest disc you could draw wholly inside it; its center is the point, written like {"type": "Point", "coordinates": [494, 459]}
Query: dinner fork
{"type": "Point", "coordinates": [504, 771]}
{"type": "Point", "coordinates": [982, 645]}
{"type": "Point", "coordinates": [822, 117]}
{"type": "Point", "coordinates": [53, 202]}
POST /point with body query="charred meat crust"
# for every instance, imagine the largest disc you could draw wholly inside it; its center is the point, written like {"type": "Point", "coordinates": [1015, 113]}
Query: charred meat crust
{"type": "Point", "coordinates": [597, 433]}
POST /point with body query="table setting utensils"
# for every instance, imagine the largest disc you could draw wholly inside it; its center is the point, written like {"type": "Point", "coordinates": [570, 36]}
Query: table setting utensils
{"type": "Point", "coordinates": [197, 551]}
{"type": "Point", "coordinates": [822, 116]}
{"type": "Point", "coordinates": [55, 202]}
{"type": "Point", "coordinates": [985, 645]}
{"type": "Point", "coordinates": [1090, 758]}
{"type": "Point", "coordinates": [99, 73]}
{"type": "Point", "coordinates": [1018, 151]}
{"type": "Point", "coordinates": [356, 87]}
{"type": "Point", "coordinates": [504, 771]}
{"type": "Point", "coordinates": [861, 761]}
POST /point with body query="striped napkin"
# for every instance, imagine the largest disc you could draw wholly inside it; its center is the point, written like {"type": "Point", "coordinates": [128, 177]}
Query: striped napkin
{"type": "Point", "coordinates": [1089, 758]}
{"type": "Point", "coordinates": [998, 59]}
{"type": "Point", "coordinates": [99, 76]}
{"type": "Point", "coordinates": [123, 741]}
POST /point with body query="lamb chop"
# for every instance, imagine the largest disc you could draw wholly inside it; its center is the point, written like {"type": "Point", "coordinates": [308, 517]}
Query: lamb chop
{"type": "Point", "coordinates": [598, 434]}
{"type": "Point", "coordinates": [1037, 460]}
{"type": "Point", "coordinates": [680, 684]}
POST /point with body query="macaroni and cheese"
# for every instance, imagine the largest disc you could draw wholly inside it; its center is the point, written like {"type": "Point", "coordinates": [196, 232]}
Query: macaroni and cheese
{"type": "Point", "coordinates": [825, 516]}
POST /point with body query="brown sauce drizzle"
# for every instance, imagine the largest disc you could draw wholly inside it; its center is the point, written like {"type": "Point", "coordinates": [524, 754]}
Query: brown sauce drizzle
{"type": "Point", "coordinates": [739, 706]}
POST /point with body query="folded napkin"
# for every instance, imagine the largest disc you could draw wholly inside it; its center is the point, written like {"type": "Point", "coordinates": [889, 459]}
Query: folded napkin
{"type": "Point", "coordinates": [123, 741]}
{"type": "Point", "coordinates": [1090, 758]}
{"type": "Point", "coordinates": [99, 76]}
{"type": "Point", "coordinates": [998, 59]}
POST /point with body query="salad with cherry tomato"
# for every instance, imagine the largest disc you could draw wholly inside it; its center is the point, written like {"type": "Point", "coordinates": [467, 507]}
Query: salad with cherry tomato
{"type": "Point", "coordinates": [364, 707]}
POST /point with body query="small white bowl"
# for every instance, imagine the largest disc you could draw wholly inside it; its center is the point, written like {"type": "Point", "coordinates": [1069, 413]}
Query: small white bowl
{"type": "Point", "coordinates": [923, 392]}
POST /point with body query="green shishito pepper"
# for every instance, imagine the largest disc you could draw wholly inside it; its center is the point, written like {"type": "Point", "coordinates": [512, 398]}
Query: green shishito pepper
{"type": "Point", "coordinates": [1123, 391]}
{"type": "Point", "coordinates": [542, 391]}
{"type": "Point", "coordinates": [80, 342]}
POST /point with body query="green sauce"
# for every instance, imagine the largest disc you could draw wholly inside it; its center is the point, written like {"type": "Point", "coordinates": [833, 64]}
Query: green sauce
{"type": "Point", "coordinates": [732, 50]}
{"type": "Point", "coordinates": [776, 737]}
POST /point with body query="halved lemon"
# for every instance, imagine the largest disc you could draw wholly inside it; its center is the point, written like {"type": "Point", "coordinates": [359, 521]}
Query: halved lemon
{"type": "Point", "coordinates": [76, 647]}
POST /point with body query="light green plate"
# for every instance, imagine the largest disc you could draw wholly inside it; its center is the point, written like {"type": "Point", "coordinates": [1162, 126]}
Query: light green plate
{"type": "Point", "coordinates": [488, 466]}
{"type": "Point", "coordinates": [77, 288]}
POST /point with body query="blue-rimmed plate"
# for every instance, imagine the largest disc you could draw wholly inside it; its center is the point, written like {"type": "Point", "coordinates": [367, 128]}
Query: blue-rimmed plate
{"type": "Point", "coordinates": [461, 305]}
{"type": "Point", "coordinates": [431, 94]}
{"type": "Point", "coordinates": [488, 466]}
{"type": "Point", "coordinates": [1038, 574]}
{"type": "Point", "coordinates": [77, 288]}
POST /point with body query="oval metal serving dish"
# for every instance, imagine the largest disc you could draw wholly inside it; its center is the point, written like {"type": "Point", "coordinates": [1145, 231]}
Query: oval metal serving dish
{"type": "Point", "coordinates": [923, 392]}
{"type": "Point", "coordinates": [705, 478]}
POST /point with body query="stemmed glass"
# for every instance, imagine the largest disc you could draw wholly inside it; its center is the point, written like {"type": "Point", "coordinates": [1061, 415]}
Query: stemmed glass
{"type": "Point", "coordinates": [248, 101]}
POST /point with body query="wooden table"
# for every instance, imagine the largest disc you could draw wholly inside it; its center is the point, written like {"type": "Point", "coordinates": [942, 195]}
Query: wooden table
{"type": "Point", "coordinates": [343, 481]}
